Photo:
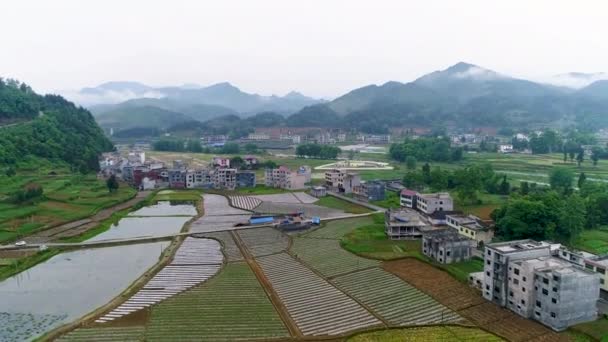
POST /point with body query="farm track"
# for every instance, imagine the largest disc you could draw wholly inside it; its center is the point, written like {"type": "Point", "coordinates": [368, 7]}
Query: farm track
{"type": "Point", "coordinates": [317, 307]}
{"type": "Point", "coordinates": [469, 304]}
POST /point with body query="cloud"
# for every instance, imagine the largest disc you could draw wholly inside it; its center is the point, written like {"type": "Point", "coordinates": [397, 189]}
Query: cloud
{"type": "Point", "coordinates": [574, 80]}
{"type": "Point", "coordinates": [108, 96]}
{"type": "Point", "coordinates": [477, 73]}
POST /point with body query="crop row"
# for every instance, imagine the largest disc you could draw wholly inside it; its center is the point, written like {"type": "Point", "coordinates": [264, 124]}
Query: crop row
{"type": "Point", "coordinates": [337, 229]}
{"type": "Point", "coordinates": [231, 250]}
{"type": "Point", "coordinates": [264, 241]}
{"type": "Point", "coordinates": [423, 334]}
{"type": "Point", "coordinates": [230, 306]}
{"type": "Point", "coordinates": [317, 307]}
{"type": "Point", "coordinates": [328, 257]}
{"type": "Point", "coordinates": [105, 334]}
{"type": "Point", "coordinates": [195, 261]}
{"type": "Point", "coordinates": [393, 299]}
{"type": "Point", "coordinates": [245, 202]}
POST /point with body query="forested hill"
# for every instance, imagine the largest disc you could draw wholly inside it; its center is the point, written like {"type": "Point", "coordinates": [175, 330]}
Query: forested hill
{"type": "Point", "coordinates": [48, 127]}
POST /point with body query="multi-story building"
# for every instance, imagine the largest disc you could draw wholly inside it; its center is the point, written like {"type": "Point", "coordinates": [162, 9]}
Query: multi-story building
{"type": "Point", "coordinates": [284, 178]}
{"type": "Point", "coordinates": [402, 224]}
{"type": "Point", "coordinates": [223, 178]}
{"type": "Point", "coordinates": [472, 227]}
{"type": "Point", "coordinates": [534, 280]}
{"type": "Point", "coordinates": [407, 198]}
{"type": "Point", "coordinates": [250, 161]}
{"type": "Point", "coordinates": [220, 161]}
{"type": "Point", "coordinates": [198, 179]}
{"type": "Point", "coordinates": [446, 246]}
{"type": "Point", "coordinates": [369, 191]}
{"type": "Point", "coordinates": [340, 180]}
{"type": "Point", "coordinates": [429, 203]}
{"type": "Point", "coordinates": [245, 179]}
{"type": "Point", "coordinates": [258, 136]}
{"type": "Point", "coordinates": [177, 178]}
{"type": "Point", "coordinates": [498, 256]}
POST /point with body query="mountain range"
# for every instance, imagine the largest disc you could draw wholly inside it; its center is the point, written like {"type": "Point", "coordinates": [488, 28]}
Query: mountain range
{"type": "Point", "coordinates": [462, 95]}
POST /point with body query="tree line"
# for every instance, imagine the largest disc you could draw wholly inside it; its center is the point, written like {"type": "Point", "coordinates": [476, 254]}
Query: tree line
{"type": "Point", "coordinates": [425, 149]}
{"type": "Point", "coordinates": [317, 151]}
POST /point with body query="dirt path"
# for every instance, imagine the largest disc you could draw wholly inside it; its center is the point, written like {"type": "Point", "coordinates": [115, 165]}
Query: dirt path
{"type": "Point", "coordinates": [80, 226]}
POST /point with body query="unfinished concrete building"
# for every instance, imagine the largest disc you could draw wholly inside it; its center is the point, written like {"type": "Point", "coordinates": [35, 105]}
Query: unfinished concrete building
{"type": "Point", "coordinates": [446, 246]}
{"type": "Point", "coordinates": [404, 224]}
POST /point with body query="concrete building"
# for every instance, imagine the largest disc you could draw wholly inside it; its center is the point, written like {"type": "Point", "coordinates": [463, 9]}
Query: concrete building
{"type": "Point", "coordinates": [429, 203]}
{"type": "Point", "coordinates": [507, 148]}
{"type": "Point", "coordinates": [258, 136]}
{"type": "Point", "coordinates": [403, 224]}
{"type": "Point", "coordinates": [284, 178]}
{"type": "Point", "coordinates": [536, 280]}
{"type": "Point", "coordinates": [250, 161]}
{"type": "Point", "coordinates": [245, 179]}
{"type": "Point", "coordinates": [407, 198]}
{"type": "Point", "coordinates": [498, 256]}
{"type": "Point", "coordinates": [565, 295]}
{"type": "Point", "coordinates": [369, 191]}
{"type": "Point", "coordinates": [342, 181]}
{"type": "Point", "coordinates": [220, 161]}
{"type": "Point", "coordinates": [472, 227]}
{"type": "Point", "coordinates": [198, 179]}
{"type": "Point", "coordinates": [223, 178]}
{"type": "Point", "coordinates": [446, 246]}
{"type": "Point", "coordinates": [177, 178]}
{"type": "Point", "coordinates": [318, 191]}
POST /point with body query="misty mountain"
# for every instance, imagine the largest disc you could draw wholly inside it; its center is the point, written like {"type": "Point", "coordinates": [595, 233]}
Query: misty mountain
{"type": "Point", "coordinates": [129, 118]}
{"type": "Point", "coordinates": [575, 80]}
{"type": "Point", "coordinates": [222, 95]}
{"type": "Point", "coordinates": [462, 95]}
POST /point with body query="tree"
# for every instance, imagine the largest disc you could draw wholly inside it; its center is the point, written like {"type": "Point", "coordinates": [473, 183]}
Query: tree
{"type": "Point", "coordinates": [410, 162]}
{"type": "Point", "coordinates": [230, 148]}
{"type": "Point", "coordinates": [413, 180]}
{"type": "Point", "coordinates": [237, 162]}
{"type": "Point", "coordinates": [112, 184]}
{"type": "Point", "coordinates": [250, 148]}
{"type": "Point", "coordinates": [524, 188]}
{"type": "Point", "coordinates": [580, 156]}
{"type": "Point", "coordinates": [351, 154]}
{"type": "Point", "coordinates": [505, 187]}
{"type": "Point", "coordinates": [439, 179]}
{"type": "Point", "coordinates": [581, 180]}
{"type": "Point", "coordinates": [571, 218]}
{"type": "Point", "coordinates": [10, 171]}
{"type": "Point", "coordinates": [595, 155]}
{"type": "Point", "coordinates": [426, 173]}
{"type": "Point", "coordinates": [561, 179]}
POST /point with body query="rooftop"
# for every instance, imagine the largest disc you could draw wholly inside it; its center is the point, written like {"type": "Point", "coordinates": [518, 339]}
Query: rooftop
{"type": "Point", "coordinates": [442, 235]}
{"type": "Point", "coordinates": [518, 245]}
{"type": "Point", "coordinates": [406, 216]}
{"type": "Point", "coordinates": [408, 192]}
{"type": "Point", "coordinates": [438, 195]}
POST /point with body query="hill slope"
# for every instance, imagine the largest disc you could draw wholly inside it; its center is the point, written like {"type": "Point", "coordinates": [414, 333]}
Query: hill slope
{"type": "Point", "coordinates": [57, 130]}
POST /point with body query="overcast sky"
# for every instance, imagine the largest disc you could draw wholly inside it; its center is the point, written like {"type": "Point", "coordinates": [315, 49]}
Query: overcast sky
{"type": "Point", "coordinates": [321, 48]}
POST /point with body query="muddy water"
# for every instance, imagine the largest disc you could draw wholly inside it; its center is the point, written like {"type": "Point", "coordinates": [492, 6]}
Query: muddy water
{"type": "Point", "coordinates": [69, 285]}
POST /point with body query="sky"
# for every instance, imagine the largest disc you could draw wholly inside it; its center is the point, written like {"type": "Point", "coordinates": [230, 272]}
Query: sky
{"type": "Point", "coordinates": [320, 48]}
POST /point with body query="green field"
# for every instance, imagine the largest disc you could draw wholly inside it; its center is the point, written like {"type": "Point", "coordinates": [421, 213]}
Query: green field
{"type": "Point", "coordinates": [67, 197]}
{"type": "Point", "coordinates": [593, 241]}
{"type": "Point", "coordinates": [597, 329]}
{"type": "Point", "coordinates": [178, 195]}
{"type": "Point", "coordinates": [445, 333]}
{"type": "Point", "coordinates": [336, 203]}
{"type": "Point", "coordinates": [109, 334]}
{"type": "Point", "coordinates": [230, 306]}
{"type": "Point", "coordinates": [261, 190]}
{"type": "Point", "coordinates": [391, 200]}
{"type": "Point", "coordinates": [370, 241]}
{"type": "Point", "coordinates": [461, 270]}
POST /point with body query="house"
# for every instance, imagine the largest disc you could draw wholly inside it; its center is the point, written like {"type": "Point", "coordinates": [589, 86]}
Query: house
{"type": "Point", "coordinates": [223, 178]}
{"type": "Point", "coordinates": [401, 224]}
{"type": "Point", "coordinates": [147, 184]}
{"type": "Point", "coordinates": [472, 227]}
{"type": "Point", "coordinates": [198, 179]}
{"type": "Point", "coordinates": [507, 148]}
{"type": "Point", "coordinates": [318, 191]}
{"type": "Point", "coordinates": [218, 139]}
{"type": "Point", "coordinates": [376, 138]}
{"type": "Point", "coordinates": [429, 203]}
{"type": "Point", "coordinates": [407, 198]}
{"type": "Point", "coordinates": [284, 178]}
{"type": "Point", "coordinates": [542, 281]}
{"type": "Point", "coordinates": [250, 160]}
{"type": "Point", "coordinates": [245, 179]}
{"type": "Point", "coordinates": [177, 178]}
{"type": "Point", "coordinates": [440, 218]}
{"type": "Point", "coordinates": [220, 162]}
{"type": "Point", "coordinates": [258, 136]}
{"type": "Point", "coordinates": [340, 180]}
{"type": "Point", "coordinates": [446, 246]}
{"type": "Point", "coordinates": [369, 191]}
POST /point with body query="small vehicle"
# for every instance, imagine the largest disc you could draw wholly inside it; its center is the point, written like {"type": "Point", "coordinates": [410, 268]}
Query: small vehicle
{"type": "Point", "coordinates": [20, 243]}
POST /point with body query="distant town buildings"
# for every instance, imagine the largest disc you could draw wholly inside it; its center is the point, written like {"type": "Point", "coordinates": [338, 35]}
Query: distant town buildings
{"type": "Point", "coordinates": [220, 161]}
{"type": "Point", "coordinates": [258, 136]}
{"type": "Point", "coordinates": [507, 148]}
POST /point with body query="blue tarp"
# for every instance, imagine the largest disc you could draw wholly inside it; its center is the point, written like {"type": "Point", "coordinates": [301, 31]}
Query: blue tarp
{"type": "Point", "coordinates": [261, 220]}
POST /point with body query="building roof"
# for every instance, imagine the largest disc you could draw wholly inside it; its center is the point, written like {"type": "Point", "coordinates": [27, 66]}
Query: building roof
{"type": "Point", "coordinates": [518, 245]}
{"type": "Point", "coordinates": [408, 192]}
{"type": "Point", "coordinates": [406, 216]}
{"type": "Point", "coordinates": [437, 195]}
{"type": "Point", "coordinates": [441, 214]}
{"type": "Point", "coordinates": [445, 235]}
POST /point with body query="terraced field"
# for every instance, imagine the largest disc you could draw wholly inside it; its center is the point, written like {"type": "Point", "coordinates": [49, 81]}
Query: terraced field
{"type": "Point", "coordinates": [328, 257]}
{"type": "Point", "coordinates": [396, 301]}
{"type": "Point", "coordinates": [316, 306]}
{"type": "Point", "coordinates": [109, 334]}
{"type": "Point", "coordinates": [263, 241]}
{"type": "Point", "coordinates": [230, 249]}
{"type": "Point", "coordinates": [231, 306]}
{"type": "Point", "coordinates": [195, 261]}
{"type": "Point", "coordinates": [245, 202]}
